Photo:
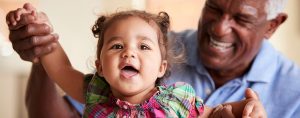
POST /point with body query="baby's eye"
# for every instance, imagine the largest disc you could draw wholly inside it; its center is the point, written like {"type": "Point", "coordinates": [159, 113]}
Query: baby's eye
{"type": "Point", "coordinates": [145, 47]}
{"type": "Point", "coordinates": [117, 46]}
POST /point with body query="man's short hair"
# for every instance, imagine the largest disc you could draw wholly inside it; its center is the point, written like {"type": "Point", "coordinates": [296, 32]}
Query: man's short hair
{"type": "Point", "coordinates": [274, 7]}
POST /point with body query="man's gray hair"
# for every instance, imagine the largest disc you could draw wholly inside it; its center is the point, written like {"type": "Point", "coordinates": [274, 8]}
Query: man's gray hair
{"type": "Point", "coordinates": [274, 7]}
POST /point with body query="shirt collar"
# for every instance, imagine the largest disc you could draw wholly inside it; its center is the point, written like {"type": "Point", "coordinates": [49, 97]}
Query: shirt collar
{"type": "Point", "coordinates": [264, 65]}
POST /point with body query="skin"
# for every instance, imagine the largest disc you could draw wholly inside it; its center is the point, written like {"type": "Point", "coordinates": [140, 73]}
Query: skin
{"type": "Point", "coordinates": [241, 25]}
{"type": "Point", "coordinates": [131, 41]}
{"type": "Point", "coordinates": [50, 104]}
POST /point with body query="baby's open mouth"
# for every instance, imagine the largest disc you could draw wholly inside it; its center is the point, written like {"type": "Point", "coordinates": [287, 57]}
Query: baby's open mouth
{"type": "Point", "coordinates": [129, 71]}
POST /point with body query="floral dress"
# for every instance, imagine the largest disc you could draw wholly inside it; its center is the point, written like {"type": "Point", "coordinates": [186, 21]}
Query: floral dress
{"type": "Point", "coordinates": [178, 100]}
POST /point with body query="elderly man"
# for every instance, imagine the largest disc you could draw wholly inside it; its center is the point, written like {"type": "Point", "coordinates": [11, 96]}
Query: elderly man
{"type": "Point", "coordinates": [229, 52]}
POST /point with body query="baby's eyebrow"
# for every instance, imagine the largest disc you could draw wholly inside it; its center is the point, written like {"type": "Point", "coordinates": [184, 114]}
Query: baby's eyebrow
{"type": "Point", "coordinates": [144, 38]}
{"type": "Point", "coordinates": [114, 38]}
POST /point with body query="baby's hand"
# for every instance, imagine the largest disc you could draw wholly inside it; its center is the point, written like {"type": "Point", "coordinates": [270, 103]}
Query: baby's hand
{"type": "Point", "coordinates": [21, 16]}
{"type": "Point", "coordinates": [222, 112]}
{"type": "Point", "coordinates": [253, 108]}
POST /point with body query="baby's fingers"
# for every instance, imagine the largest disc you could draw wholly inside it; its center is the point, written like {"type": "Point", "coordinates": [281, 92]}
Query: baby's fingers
{"type": "Point", "coordinates": [227, 112]}
{"type": "Point", "coordinates": [216, 112]}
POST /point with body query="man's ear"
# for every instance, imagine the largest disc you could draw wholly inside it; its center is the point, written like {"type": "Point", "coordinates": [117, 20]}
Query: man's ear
{"type": "Point", "coordinates": [275, 23]}
{"type": "Point", "coordinates": [98, 67]}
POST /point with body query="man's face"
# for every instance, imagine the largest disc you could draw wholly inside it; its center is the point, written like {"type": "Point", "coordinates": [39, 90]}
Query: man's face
{"type": "Point", "coordinates": [230, 33]}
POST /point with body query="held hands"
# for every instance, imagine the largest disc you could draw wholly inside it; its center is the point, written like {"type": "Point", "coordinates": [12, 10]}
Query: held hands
{"type": "Point", "coordinates": [252, 109]}
{"type": "Point", "coordinates": [30, 33]}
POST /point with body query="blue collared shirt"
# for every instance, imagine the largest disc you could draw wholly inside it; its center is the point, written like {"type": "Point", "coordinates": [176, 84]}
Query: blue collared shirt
{"type": "Point", "coordinates": [275, 78]}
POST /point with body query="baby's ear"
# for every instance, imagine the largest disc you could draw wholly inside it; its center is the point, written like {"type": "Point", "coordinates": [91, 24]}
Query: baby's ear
{"type": "Point", "coordinates": [162, 68]}
{"type": "Point", "coordinates": [98, 67]}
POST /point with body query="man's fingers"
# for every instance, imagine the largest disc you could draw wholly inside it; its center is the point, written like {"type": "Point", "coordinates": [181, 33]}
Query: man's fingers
{"type": "Point", "coordinates": [10, 18]}
{"type": "Point", "coordinates": [26, 18]}
{"type": "Point", "coordinates": [14, 16]}
{"type": "Point", "coordinates": [257, 111]}
{"type": "Point", "coordinates": [248, 108]}
{"type": "Point", "coordinates": [251, 94]}
{"type": "Point", "coordinates": [35, 41]}
{"type": "Point", "coordinates": [29, 30]}
{"type": "Point", "coordinates": [33, 53]}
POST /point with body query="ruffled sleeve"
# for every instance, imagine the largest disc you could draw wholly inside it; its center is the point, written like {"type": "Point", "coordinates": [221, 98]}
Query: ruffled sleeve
{"type": "Point", "coordinates": [181, 98]}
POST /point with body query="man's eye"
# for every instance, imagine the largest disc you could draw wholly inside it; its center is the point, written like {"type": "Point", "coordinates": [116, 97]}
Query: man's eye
{"type": "Point", "coordinates": [243, 20]}
{"type": "Point", "coordinates": [117, 46]}
{"type": "Point", "coordinates": [144, 47]}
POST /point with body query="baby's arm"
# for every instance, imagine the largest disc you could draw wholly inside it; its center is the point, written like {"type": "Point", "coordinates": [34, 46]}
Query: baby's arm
{"type": "Point", "coordinates": [56, 64]}
{"type": "Point", "coordinates": [59, 68]}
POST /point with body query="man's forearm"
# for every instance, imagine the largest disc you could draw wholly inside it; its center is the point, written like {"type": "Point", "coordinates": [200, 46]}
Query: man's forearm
{"type": "Point", "coordinates": [42, 98]}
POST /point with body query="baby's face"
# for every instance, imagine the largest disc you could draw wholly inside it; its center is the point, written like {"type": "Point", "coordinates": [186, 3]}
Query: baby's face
{"type": "Point", "coordinates": [130, 59]}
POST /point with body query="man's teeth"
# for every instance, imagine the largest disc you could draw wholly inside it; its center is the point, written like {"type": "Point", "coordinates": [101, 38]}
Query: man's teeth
{"type": "Point", "coordinates": [220, 45]}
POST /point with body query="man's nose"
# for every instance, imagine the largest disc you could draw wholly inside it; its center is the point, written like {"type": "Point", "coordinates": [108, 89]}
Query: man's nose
{"type": "Point", "coordinates": [128, 53]}
{"type": "Point", "coordinates": [222, 26]}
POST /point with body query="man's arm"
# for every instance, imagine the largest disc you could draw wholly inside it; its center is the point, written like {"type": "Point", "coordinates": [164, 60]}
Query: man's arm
{"type": "Point", "coordinates": [42, 98]}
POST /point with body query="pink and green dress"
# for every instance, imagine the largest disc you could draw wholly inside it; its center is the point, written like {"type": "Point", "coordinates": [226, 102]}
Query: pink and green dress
{"type": "Point", "coordinates": [178, 100]}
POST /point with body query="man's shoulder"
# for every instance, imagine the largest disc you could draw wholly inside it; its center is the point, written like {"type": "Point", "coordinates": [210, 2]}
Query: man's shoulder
{"type": "Point", "coordinates": [288, 68]}
{"type": "Point", "coordinates": [271, 65]}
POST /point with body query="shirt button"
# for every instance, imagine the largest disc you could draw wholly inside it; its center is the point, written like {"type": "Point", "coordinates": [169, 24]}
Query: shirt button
{"type": "Point", "coordinates": [207, 91]}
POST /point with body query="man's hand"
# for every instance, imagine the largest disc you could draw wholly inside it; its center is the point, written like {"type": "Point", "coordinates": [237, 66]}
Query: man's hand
{"type": "Point", "coordinates": [254, 108]}
{"type": "Point", "coordinates": [30, 33]}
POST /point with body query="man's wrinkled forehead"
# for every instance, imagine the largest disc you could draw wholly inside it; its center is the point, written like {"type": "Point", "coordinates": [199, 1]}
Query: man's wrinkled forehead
{"type": "Point", "coordinates": [247, 7]}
